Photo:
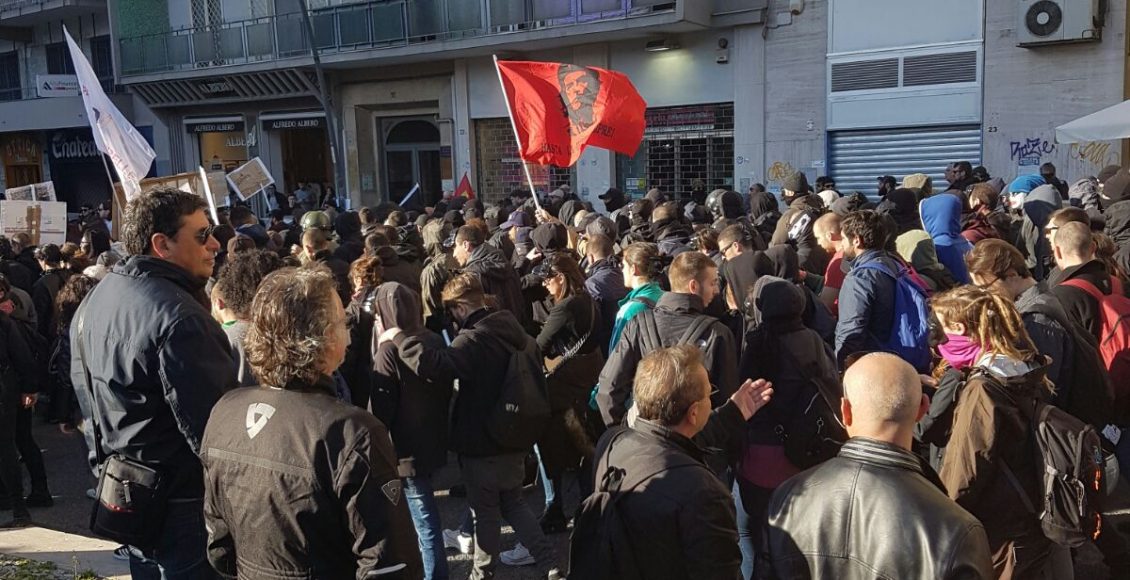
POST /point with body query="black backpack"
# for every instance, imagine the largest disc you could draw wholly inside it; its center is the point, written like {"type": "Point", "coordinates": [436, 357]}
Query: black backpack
{"type": "Point", "coordinates": [519, 418]}
{"type": "Point", "coordinates": [600, 547]}
{"type": "Point", "coordinates": [1075, 470]}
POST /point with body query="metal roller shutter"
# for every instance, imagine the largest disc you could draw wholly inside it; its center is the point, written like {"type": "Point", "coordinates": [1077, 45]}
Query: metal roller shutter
{"type": "Point", "coordinates": [857, 158]}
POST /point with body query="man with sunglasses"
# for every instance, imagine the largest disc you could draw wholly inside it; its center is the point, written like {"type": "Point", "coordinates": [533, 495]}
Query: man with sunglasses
{"type": "Point", "coordinates": [148, 364]}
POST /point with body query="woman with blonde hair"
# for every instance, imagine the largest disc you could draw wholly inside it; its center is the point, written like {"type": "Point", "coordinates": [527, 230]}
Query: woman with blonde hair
{"type": "Point", "coordinates": [990, 460]}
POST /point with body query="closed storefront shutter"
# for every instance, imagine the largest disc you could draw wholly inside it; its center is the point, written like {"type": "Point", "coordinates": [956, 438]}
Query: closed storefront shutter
{"type": "Point", "coordinates": [857, 158]}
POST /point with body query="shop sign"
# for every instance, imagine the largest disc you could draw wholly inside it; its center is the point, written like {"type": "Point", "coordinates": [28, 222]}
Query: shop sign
{"type": "Point", "coordinates": [56, 86]}
{"type": "Point", "coordinates": [72, 146]}
{"type": "Point", "coordinates": [307, 123]}
{"type": "Point", "coordinates": [21, 149]}
{"type": "Point", "coordinates": [216, 88]}
{"type": "Point", "coordinates": [679, 119]}
{"type": "Point", "coordinates": [236, 141]}
{"type": "Point", "coordinates": [214, 127]}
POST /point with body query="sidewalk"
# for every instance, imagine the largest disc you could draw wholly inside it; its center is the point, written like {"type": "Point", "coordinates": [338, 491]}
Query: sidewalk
{"type": "Point", "coordinates": [64, 550]}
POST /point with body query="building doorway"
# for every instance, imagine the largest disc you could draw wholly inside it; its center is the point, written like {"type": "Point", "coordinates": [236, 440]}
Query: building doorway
{"type": "Point", "coordinates": [306, 159]}
{"type": "Point", "coordinates": [412, 155]}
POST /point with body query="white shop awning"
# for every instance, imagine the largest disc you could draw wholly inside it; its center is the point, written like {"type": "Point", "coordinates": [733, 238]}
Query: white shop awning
{"type": "Point", "coordinates": [1108, 124]}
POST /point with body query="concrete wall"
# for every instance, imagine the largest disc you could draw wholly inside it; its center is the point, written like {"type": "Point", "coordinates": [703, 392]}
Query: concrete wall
{"type": "Point", "coordinates": [794, 113]}
{"type": "Point", "coordinates": [1029, 91]}
{"type": "Point", "coordinates": [863, 25]}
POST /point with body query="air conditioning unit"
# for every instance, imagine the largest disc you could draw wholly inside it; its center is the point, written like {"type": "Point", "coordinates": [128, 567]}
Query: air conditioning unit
{"type": "Point", "coordinates": [1059, 21]}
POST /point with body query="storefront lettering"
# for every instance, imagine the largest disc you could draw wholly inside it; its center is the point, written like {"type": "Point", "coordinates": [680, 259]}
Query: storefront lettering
{"type": "Point", "coordinates": [75, 148]}
{"type": "Point", "coordinates": [215, 127]}
{"type": "Point", "coordinates": [277, 124]}
{"type": "Point", "coordinates": [234, 141]}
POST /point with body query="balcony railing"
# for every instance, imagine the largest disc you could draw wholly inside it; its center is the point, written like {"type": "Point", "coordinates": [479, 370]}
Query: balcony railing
{"type": "Point", "coordinates": [364, 26]}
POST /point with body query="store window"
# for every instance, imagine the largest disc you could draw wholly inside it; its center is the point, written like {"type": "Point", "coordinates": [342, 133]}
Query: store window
{"type": "Point", "coordinates": [9, 76]}
{"type": "Point", "coordinates": [59, 59]}
{"type": "Point", "coordinates": [222, 141]}
{"type": "Point", "coordinates": [681, 146]}
{"type": "Point", "coordinates": [500, 168]}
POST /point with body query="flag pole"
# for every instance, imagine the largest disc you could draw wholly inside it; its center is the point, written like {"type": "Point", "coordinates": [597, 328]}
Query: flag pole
{"type": "Point", "coordinates": [517, 139]}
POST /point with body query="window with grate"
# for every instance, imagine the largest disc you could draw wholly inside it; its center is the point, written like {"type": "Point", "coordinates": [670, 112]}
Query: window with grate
{"type": "Point", "coordinates": [939, 69]}
{"type": "Point", "coordinates": [59, 59]}
{"type": "Point", "coordinates": [9, 76]}
{"type": "Point", "coordinates": [864, 75]}
{"type": "Point", "coordinates": [683, 145]}
{"type": "Point", "coordinates": [500, 169]}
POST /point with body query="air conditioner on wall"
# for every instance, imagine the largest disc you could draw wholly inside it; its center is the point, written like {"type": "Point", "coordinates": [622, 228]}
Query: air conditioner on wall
{"type": "Point", "coordinates": [1059, 21]}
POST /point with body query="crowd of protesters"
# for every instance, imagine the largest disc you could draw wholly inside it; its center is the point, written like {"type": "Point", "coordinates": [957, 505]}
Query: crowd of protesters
{"type": "Point", "coordinates": [824, 385]}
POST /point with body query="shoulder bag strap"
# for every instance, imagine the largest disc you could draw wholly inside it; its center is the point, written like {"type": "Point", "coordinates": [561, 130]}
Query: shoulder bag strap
{"type": "Point", "coordinates": [1084, 286]}
{"type": "Point", "coordinates": [697, 328]}
{"type": "Point", "coordinates": [649, 332]}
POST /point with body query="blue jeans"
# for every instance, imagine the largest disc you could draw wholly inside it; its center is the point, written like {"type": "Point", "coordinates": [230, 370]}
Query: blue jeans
{"type": "Point", "coordinates": [752, 503]}
{"type": "Point", "coordinates": [181, 552]}
{"type": "Point", "coordinates": [425, 516]}
{"type": "Point", "coordinates": [548, 485]}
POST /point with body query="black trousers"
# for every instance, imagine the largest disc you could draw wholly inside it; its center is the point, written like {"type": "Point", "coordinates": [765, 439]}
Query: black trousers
{"type": "Point", "coordinates": [10, 474]}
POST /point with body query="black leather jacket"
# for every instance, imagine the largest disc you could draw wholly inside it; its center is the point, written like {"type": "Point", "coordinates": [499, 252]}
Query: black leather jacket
{"type": "Point", "coordinates": [874, 511]}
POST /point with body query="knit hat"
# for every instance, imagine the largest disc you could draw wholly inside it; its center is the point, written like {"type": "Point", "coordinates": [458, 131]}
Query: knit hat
{"type": "Point", "coordinates": [797, 183]}
{"type": "Point", "coordinates": [1025, 183]}
{"type": "Point", "coordinates": [1117, 188]}
{"type": "Point", "coordinates": [919, 181]}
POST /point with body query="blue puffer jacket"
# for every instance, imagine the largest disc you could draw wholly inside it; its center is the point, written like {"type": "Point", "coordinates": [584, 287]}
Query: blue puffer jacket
{"type": "Point", "coordinates": [941, 218]}
{"type": "Point", "coordinates": [867, 302]}
{"type": "Point", "coordinates": [158, 363]}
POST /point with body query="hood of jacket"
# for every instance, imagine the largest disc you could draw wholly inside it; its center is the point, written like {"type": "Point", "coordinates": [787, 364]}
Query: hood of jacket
{"type": "Point", "coordinates": [941, 218]}
{"type": "Point", "coordinates": [388, 255]}
{"type": "Point", "coordinates": [1027, 378]}
{"type": "Point", "coordinates": [1118, 223]}
{"type": "Point", "coordinates": [500, 324]}
{"type": "Point", "coordinates": [489, 261]}
{"type": "Point", "coordinates": [1040, 203]}
{"type": "Point", "coordinates": [902, 205]}
{"type": "Point", "coordinates": [399, 305]}
{"type": "Point", "coordinates": [777, 301]}
{"type": "Point", "coordinates": [785, 262]}
{"type": "Point", "coordinates": [550, 237]}
{"type": "Point", "coordinates": [1084, 193]}
{"type": "Point", "coordinates": [741, 273]}
{"type": "Point", "coordinates": [568, 211]}
{"type": "Point", "coordinates": [151, 267]}
{"type": "Point", "coordinates": [917, 247]}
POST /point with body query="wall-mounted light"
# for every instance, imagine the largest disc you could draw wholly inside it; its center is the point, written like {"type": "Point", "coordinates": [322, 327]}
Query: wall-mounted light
{"type": "Point", "coordinates": [661, 45]}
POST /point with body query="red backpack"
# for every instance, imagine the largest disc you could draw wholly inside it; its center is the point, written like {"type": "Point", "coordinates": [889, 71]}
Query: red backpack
{"type": "Point", "coordinates": [1114, 335]}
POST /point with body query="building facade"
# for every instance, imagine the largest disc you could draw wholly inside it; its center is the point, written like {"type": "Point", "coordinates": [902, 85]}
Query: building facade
{"type": "Point", "coordinates": [738, 91]}
{"type": "Point", "coordinates": [44, 132]}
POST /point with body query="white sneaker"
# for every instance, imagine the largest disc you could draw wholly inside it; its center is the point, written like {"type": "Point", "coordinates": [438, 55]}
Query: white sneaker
{"type": "Point", "coordinates": [456, 540]}
{"type": "Point", "coordinates": [519, 556]}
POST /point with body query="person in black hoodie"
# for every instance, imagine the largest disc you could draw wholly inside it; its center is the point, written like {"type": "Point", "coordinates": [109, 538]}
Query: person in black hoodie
{"type": "Point", "coordinates": [18, 274]}
{"type": "Point", "coordinates": [396, 269]}
{"type": "Point", "coordinates": [764, 213]}
{"type": "Point", "coordinates": [792, 357]}
{"type": "Point", "coordinates": [46, 288]}
{"type": "Point", "coordinates": [317, 248]}
{"type": "Point", "coordinates": [24, 250]}
{"type": "Point", "coordinates": [671, 233]}
{"type": "Point", "coordinates": [478, 357]}
{"type": "Point", "coordinates": [495, 274]}
{"type": "Point", "coordinates": [613, 199]}
{"type": "Point", "coordinates": [350, 244]}
{"type": "Point", "coordinates": [415, 411]}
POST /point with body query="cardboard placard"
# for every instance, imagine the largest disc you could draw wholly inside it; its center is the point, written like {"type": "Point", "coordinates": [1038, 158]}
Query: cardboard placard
{"type": "Point", "coordinates": [45, 221]}
{"type": "Point", "coordinates": [250, 178]}
{"type": "Point", "coordinates": [35, 192]}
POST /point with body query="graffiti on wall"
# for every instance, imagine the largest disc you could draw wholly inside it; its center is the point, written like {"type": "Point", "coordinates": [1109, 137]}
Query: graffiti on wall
{"type": "Point", "coordinates": [1094, 154]}
{"type": "Point", "coordinates": [1031, 151]}
{"type": "Point", "coordinates": [779, 171]}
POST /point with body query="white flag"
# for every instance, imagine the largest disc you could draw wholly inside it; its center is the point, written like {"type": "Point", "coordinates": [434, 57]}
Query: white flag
{"type": "Point", "coordinates": [115, 136]}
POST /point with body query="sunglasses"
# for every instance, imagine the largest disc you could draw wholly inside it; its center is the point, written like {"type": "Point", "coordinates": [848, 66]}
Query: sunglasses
{"type": "Point", "coordinates": [202, 236]}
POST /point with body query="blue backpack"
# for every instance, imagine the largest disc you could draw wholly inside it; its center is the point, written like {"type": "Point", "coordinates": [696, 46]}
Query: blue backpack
{"type": "Point", "coordinates": [910, 329]}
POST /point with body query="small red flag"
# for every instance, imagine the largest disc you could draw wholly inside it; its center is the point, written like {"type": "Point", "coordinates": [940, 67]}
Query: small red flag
{"type": "Point", "coordinates": [464, 188]}
{"type": "Point", "coordinates": [559, 109]}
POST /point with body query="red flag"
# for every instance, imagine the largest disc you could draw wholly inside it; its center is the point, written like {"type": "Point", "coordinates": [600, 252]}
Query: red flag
{"type": "Point", "coordinates": [464, 188]}
{"type": "Point", "coordinates": [559, 109]}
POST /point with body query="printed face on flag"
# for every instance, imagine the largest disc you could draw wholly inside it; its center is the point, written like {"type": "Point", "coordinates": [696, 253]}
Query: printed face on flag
{"type": "Point", "coordinates": [579, 88]}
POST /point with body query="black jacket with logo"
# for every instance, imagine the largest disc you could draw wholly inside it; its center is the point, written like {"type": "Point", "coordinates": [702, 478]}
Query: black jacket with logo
{"type": "Point", "coordinates": [301, 485]}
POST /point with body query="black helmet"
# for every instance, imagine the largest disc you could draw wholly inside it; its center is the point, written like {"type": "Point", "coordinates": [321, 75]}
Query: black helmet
{"type": "Point", "coordinates": [724, 203]}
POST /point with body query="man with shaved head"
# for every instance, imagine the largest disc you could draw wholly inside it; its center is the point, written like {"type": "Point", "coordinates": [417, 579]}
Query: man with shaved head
{"type": "Point", "coordinates": [876, 509]}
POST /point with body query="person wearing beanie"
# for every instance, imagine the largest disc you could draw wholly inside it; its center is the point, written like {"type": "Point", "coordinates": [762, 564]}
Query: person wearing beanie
{"type": "Point", "coordinates": [919, 181]}
{"type": "Point", "coordinates": [1020, 187]}
{"type": "Point", "coordinates": [1116, 188]}
{"type": "Point", "coordinates": [794, 187]}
